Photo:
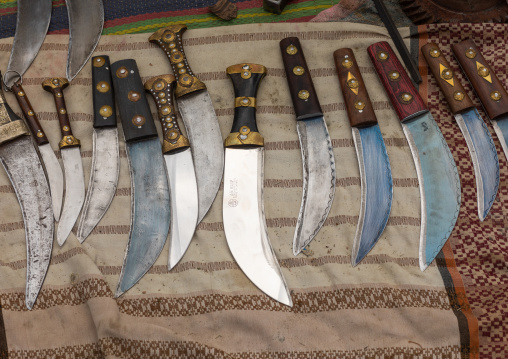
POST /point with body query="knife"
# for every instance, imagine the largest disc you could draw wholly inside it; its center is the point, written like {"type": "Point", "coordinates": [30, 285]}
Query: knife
{"type": "Point", "coordinates": [435, 167]}
{"type": "Point", "coordinates": [317, 151]}
{"type": "Point", "coordinates": [150, 215]}
{"type": "Point", "coordinates": [242, 206]}
{"type": "Point", "coordinates": [71, 158]}
{"type": "Point", "coordinates": [105, 155]}
{"type": "Point", "coordinates": [477, 135]}
{"type": "Point", "coordinates": [375, 170]}
{"type": "Point", "coordinates": [24, 169]}
{"type": "Point", "coordinates": [179, 167]}
{"type": "Point", "coordinates": [199, 118]}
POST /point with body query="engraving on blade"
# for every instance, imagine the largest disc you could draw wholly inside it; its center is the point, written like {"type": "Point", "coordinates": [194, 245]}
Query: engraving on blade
{"type": "Point", "coordinates": [103, 180]}
{"type": "Point", "coordinates": [484, 157]}
{"type": "Point", "coordinates": [74, 192]}
{"type": "Point", "coordinates": [207, 149]}
{"type": "Point", "coordinates": [439, 185]}
{"type": "Point", "coordinates": [245, 224]}
{"type": "Point", "coordinates": [376, 188]}
{"type": "Point", "coordinates": [55, 178]}
{"type": "Point", "coordinates": [24, 169]}
{"type": "Point", "coordinates": [501, 128]}
{"type": "Point", "coordinates": [184, 203]}
{"type": "Point", "coordinates": [318, 180]}
{"type": "Point", "coordinates": [150, 211]}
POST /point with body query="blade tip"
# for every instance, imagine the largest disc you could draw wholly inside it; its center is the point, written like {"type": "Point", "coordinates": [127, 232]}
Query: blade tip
{"type": "Point", "coordinates": [423, 266]}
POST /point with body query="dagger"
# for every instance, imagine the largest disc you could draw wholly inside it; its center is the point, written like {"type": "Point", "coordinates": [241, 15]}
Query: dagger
{"type": "Point", "coordinates": [71, 158]}
{"type": "Point", "coordinates": [375, 170]}
{"type": "Point", "coordinates": [242, 205]}
{"type": "Point", "coordinates": [435, 167]}
{"type": "Point", "coordinates": [477, 135]}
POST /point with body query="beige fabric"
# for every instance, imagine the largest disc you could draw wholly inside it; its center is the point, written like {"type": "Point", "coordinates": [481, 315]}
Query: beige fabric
{"type": "Point", "coordinates": [206, 305]}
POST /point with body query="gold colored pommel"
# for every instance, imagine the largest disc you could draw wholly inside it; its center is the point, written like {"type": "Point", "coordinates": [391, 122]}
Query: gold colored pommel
{"type": "Point", "coordinates": [176, 29]}
{"type": "Point", "coordinates": [195, 85]}
{"type": "Point", "coordinates": [244, 137]}
{"type": "Point", "coordinates": [158, 83]}
{"type": "Point", "coordinates": [68, 141]}
{"type": "Point", "coordinates": [252, 68]}
{"type": "Point", "coordinates": [54, 83]}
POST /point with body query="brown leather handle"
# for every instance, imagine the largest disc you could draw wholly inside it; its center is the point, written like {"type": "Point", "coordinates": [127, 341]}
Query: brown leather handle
{"type": "Point", "coordinates": [484, 81]}
{"type": "Point", "coordinates": [358, 105]}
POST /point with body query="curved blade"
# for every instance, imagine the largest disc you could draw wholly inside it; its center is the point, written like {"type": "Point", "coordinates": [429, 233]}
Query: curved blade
{"type": "Point", "coordinates": [103, 180]}
{"type": "Point", "coordinates": [318, 180]}
{"type": "Point", "coordinates": [74, 192]}
{"type": "Point", "coordinates": [245, 224]}
{"type": "Point", "coordinates": [377, 190]}
{"type": "Point", "coordinates": [86, 20]}
{"type": "Point", "coordinates": [439, 185]}
{"type": "Point", "coordinates": [205, 138]}
{"type": "Point", "coordinates": [31, 27]}
{"type": "Point", "coordinates": [484, 157]}
{"type": "Point", "coordinates": [24, 169]}
{"type": "Point", "coordinates": [150, 211]}
{"type": "Point", "coordinates": [55, 178]}
{"type": "Point", "coordinates": [501, 127]}
{"type": "Point", "coordinates": [184, 203]}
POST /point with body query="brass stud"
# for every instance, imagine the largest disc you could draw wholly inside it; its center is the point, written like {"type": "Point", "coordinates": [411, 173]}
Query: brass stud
{"type": "Point", "coordinates": [353, 83]}
{"type": "Point", "coordinates": [185, 80]}
{"type": "Point", "coordinates": [447, 74]}
{"type": "Point", "coordinates": [165, 110]}
{"type": "Point", "coordinates": [495, 95]}
{"type": "Point", "coordinates": [470, 53]}
{"type": "Point", "coordinates": [180, 64]}
{"type": "Point", "coordinates": [62, 111]}
{"type": "Point", "coordinates": [382, 56]}
{"type": "Point", "coordinates": [246, 74]}
{"type": "Point", "coordinates": [162, 94]}
{"type": "Point", "coordinates": [30, 113]}
{"type": "Point", "coordinates": [176, 56]}
{"type": "Point", "coordinates": [347, 63]}
{"type": "Point", "coordinates": [291, 49]}
{"type": "Point", "coordinates": [58, 94]}
{"type": "Point", "coordinates": [138, 120]}
{"type": "Point", "coordinates": [159, 85]}
{"type": "Point", "coordinates": [181, 71]}
{"type": "Point", "coordinates": [172, 45]}
{"type": "Point", "coordinates": [69, 139]}
{"type": "Point", "coordinates": [458, 95]}
{"type": "Point", "coordinates": [245, 102]}
{"type": "Point", "coordinates": [169, 124]}
{"type": "Point", "coordinates": [298, 70]}
{"type": "Point", "coordinates": [435, 52]}
{"type": "Point", "coordinates": [40, 134]}
{"type": "Point", "coordinates": [163, 101]}
{"type": "Point", "coordinates": [172, 135]}
{"type": "Point", "coordinates": [66, 128]}
{"type": "Point", "coordinates": [394, 75]}
{"type": "Point", "coordinates": [303, 94]}
{"type": "Point", "coordinates": [99, 62]}
{"type": "Point", "coordinates": [168, 36]}
{"type": "Point", "coordinates": [133, 96]}
{"type": "Point", "coordinates": [103, 87]}
{"type": "Point", "coordinates": [122, 72]}
{"type": "Point", "coordinates": [106, 111]}
{"type": "Point", "coordinates": [360, 105]}
{"type": "Point", "coordinates": [21, 93]}
{"type": "Point", "coordinates": [483, 71]}
{"type": "Point", "coordinates": [56, 82]}
{"type": "Point", "coordinates": [406, 98]}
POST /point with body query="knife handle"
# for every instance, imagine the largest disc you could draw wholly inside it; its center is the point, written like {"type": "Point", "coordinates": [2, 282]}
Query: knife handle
{"type": "Point", "coordinates": [484, 81]}
{"type": "Point", "coordinates": [28, 111]}
{"type": "Point", "coordinates": [135, 114]}
{"type": "Point", "coordinates": [169, 40]}
{"type": "Point", "coordinates": [56, 86]}
{"type": "Point", "coordinates": [11, 126]}
{"type": "Point", "coordinates": [161, 88]}
{"type": "Point", "coordinates": [246, 79]}
{"type": "Point", "coordinates": [358, 105]}
{"type": "Point", "coordinates": [403, 95]}
{"type": "Point", "coordinates": [103, 94]}
{"type": "Point", "coordinates": [451, 87]}
{"type": "Point", "coordinates": [301, 87]}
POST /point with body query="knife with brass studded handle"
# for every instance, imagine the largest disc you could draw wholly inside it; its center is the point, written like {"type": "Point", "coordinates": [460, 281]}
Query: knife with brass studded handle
{"type": "Point", "coordinates": [477, 135]}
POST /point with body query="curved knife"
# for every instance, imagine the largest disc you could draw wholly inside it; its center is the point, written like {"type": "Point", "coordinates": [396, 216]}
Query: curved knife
{"type": "Point", "coordinates": [477, 135]}
{"type": "Point", "coordinates": [375, 170]}
{"type": "Point", "coordinates": [317, 151]}
{"type": "Point", "coordinates": [242, 206]}
{"type": "Point", "coordinates": [106, 156]}
{"type": "Point", "coordinates": [199, 118]}
{"type": "Point", "coordinates": [150, 193]}
{"type": "Point", "coordinates": [435, 167]}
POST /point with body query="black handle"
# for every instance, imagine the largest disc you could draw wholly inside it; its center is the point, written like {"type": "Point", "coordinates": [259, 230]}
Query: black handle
{"type": "Point", "coordinates": [103, 94]}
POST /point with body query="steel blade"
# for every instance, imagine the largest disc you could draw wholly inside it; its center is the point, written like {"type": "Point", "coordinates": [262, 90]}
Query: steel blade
{"type": "Point", "coordinates": [86, 20]}
{"type": "Point", "coordinates": [31, 27]}
{"type": "Point", "coordinates": [439, 185]}
{"type": "Point", "coordinates": [103, 180]}
{"type": "Point", "coordinates": [377, 190]}
{"type": "Point", "coordinates": [150, 211]}
{"type": "Point", "coordinates": [501, 128]}
{"type": "Point", "coordinates": [24, 169]}
{"type": "Point", "coordinates": [184, 203]}
{"type": "Point", "coordinates": [74, 192]}
{"type": "Point", "coordinates": [207, 149]}
{"type": "Point", "coordinates": [55, 177]}
{"type": "Point", "coordinates": [484, 157]}
{"type": "Point", "coordinates": [245, 224]}
{"type": "Point", "coordinates": [318, 180]}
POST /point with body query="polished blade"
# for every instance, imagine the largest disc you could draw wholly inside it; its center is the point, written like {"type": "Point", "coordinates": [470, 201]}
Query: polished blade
{"type": "Point", "coordinates": [377, 190]}
{"type": "Point", "coordinates": [103, 179]}
{"type": "Point", "coordinates": [86, 20]}
{"type": "Point", "coordinates": [184, 203]}
{"type": "Point", "coordinates": [501, 128]}
{"type": "Point", "coordinates": [245, 224]}
{"type": "Point", "coordinates": [150, 211]}
{"type": "Point", "coordinates": [318, 180]}
{"type": "Point", "coordinates": [31, 27]}
{"type": "Point", "coordinates": [55, 177]}
{"type": "Point", "coordinates": [439, 185]}
{"type": "Point", "coordinates": [74, 192]}
{"type": "Point", "coordinates": [205, 138]}
{"type": "Point", "coordinates": [484, 157]}
{"type": "Point", "coordinates": [24, 169]}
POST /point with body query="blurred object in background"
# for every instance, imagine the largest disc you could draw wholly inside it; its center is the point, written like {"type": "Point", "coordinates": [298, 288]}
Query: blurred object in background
{"type": "Point", "coordinates": [224, 9]}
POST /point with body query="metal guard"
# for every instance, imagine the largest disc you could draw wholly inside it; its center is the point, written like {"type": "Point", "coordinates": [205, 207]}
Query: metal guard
{"type": "Point", "coordinates": [253, 138]}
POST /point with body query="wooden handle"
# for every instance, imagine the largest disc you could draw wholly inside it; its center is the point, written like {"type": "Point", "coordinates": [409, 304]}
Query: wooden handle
{"type": "Point", "coordinates": [11, 126]}
{"type": "Point", "coordinates": [56, 85]}
{"type": "Point", "coordinates": [170, 40]}
{"type": "Point", "coordinates": [103, 95]}
{"type": "Point", "coordinates": [161, 88]}
{"type": "Point", "coordinates": [403, 95]}
{"type": "Point", "coordinates": [359, 108]}
{"type": "Point", "coordinates": [484, 81]}
{"type": "Point", "coordinates": [301, 87]}
{"type": "Point", "coordinates": [451, 87]}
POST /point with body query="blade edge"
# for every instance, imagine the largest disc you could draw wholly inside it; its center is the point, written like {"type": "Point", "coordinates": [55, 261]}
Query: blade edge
{"type": "Point", "coordinates": [55, 178]}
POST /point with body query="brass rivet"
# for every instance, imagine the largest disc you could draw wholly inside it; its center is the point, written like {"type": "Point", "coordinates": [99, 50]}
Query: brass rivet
{"type": "Point", "coordinates": [406, 98]}
{"type": "Point", "coordinates": [458, 95]}
{"type": "Point", "coordinates": [165, 110]}
{"type": "Point", "coordinates": [291, 49]}
{"type": "Point", "coordinates": [245, 101]}
{"type": "Point", "coordinates": [360, 105]}
{"type": "Point", "coordinates": [303, 94]}
{"type": "Point", "coordinates": [163, 101]}
{"type": "Point", "coordinates": [106, 111]}
{"type": "Point", "coordinates": [180, 64]}
{"type": "Point", "coordinates": [470, 53]}
{"type": "Point", "coordinates": [347, 63]}
{"type": "Point", "coordinates": [382, 56]}
{"type": "Point", "coordinates": [353, 83]}
{"type": "Point", "coordinates": [169, 124]}
{"type": "Point", "coordinates": [65, 128]}
{"type": "Point", "coordinates": [168, 36]}
{"type": "Point", "coordinates": [435, 52]}
{"type": "Point", "coordinates": [21, 93]}
{"type": "Point", "coordinates": [99, 62]}
{"type": "Point", "coordinates": [58, 94]}
{"type": "Point", "coordinates": [483, 71]}
{"type": "Point", "coordinates": [172, 45]}
{"type": "Point", "coordinates": [30, 113]}
{"type": "Point", "coordinates": [40, 134]}
{"type": "Point", "coordinates": [122, 72]}
{"type": "Point", "coordinates": [176, 56]}
{"type": "Point", "coordinates": [138, 120]}
{"type": "Point", "coordinates": [185, 80]}
{"type": "Point", "coordinates": [159, 85]}
{"type": "Point", "coordinates": [181, 71]}
{"type": "Point", "coordinates": [495, 95]}
{"type": "Point", "coordinates": [133, 96]}
{"type": "Point", "coordinates": [103, 87]}
{"type": "Point", "coordinates": [447, 74]}
{"type": "Point", "coordinates": [246, 74]}
{"type": "Point", "coordinates": [172, 135]}
{"type": "Point", "coordinates": [162, 94]}
{"type": "Point", "coordinates": [298, 70]}
{"type": "Point", "coordinates": [56, 81]}
{"type": "Point", "coordinates": [69, 139]}
{"type": "Point", "coordinates": [394, 75]}
{"type": "Point", "coordinates": [63, 111]}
